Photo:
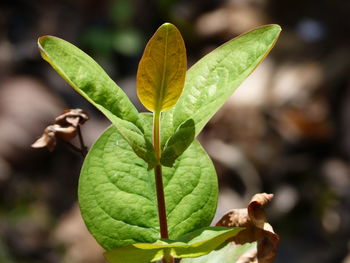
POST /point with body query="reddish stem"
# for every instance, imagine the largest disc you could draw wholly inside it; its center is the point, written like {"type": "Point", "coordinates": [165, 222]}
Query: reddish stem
{"type": "Point", "coordinates": [159, 184]}
{"type": "Point", "coordinates": [161, 202]}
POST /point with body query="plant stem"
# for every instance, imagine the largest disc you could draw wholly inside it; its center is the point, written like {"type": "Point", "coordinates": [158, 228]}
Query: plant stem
{"type": "Point", "coordinates": [161, 202]}
{"type": "Point", "coordinates": [159, 183]}
{"type": "Point", "coordinates": [161, 208]}
{"type": "Point", "coordinates": [83, 148]}
{"type": "Point", "coordinates": [170, 260]}
{"type": "Point", "coordinates": [159, 178]}
{"type": "Point", "coordinates": [73, 147]}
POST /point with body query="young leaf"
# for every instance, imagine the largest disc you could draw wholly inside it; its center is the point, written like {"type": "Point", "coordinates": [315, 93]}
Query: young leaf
{"type": "Point", "coordinates": [117, 193]}
{"type": "Point", "coordinates": [214, 78]}
{"type": "Point", "coordinates": [196, 244]}
{"type": "Point", "coordinates": [162, 69]}
{"type": "Point", "coordinates": [90, 81]}
{"type": "Point", "coordinates": [175, 146]}
{"type": "Point", "coordinates": [230, 253]}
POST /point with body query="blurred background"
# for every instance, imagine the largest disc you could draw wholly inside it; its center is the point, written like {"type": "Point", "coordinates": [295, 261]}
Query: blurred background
{"type": "Point", "coordinates": [286, 130]}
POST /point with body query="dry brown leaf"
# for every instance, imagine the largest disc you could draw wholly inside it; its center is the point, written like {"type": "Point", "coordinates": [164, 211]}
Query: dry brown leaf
{"type": "Point", "coordinates": [256, 228]}
{"type": "Point", "coordinates": [65, 128]}
{"type": "Point", "coordinates": [49, 137]}
{"type": "Point", "coordinates": [72, 117]}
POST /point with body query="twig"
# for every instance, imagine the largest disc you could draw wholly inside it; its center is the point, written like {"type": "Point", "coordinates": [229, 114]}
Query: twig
{"type": "Point", "coordinates": [83, 148]}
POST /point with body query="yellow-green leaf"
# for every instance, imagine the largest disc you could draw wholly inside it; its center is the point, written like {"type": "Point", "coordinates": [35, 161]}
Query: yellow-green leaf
{"type": "Point", "coordinates": [162, 69]}
{"type": "Point", "coordinates": [194, 244]}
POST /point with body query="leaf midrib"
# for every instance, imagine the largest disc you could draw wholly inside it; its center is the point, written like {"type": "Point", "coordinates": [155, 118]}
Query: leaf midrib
{"type": "Point", "coordinates": [161, 90]}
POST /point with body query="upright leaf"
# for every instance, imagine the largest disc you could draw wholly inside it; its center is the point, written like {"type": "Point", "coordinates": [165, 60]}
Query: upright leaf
{"type": "Point", "coordinates": [162, 69]}
{"type": "Point", "coordinates": [92, 82]}
{"type": "Point", "coordinates": [215, 77]}
{"type": "Point", "coordinates": [178, 143]}
{"type": "Point", "coordinates": [117, 193]}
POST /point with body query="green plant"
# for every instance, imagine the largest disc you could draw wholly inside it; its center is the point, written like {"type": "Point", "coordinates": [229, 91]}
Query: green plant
{"type": "Point", "coordinates": [148, 190]}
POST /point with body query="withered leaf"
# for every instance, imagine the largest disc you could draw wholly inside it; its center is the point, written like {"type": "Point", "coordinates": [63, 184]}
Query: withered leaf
{"type": "Point", "coordinates": [256, 228]}
{"type": "Point", "coordinates": [64, 128]}
{"type": "Point", "coordinates": [72, 117]}
{"type": "Point", "coordinates": [48, 140]}
{"type": "Point", "coordinates": [49, 137]}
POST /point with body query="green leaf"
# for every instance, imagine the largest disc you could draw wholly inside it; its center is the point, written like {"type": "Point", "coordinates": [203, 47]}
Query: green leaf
{"type": "Point", "coordinates": [117, 193]}
{"type": "Point", "coordinates": [90, 81]}
{"type": "Point", "coordinates": [227, 254]}
{"type": "Point", "coordinates": [162, 69]}
{"type": "Point", "coordinates": [214, 78]}
{"type": "Point", "coordinates": [178, 143]}
{"type": "Point", "coordinates": [195, 244]}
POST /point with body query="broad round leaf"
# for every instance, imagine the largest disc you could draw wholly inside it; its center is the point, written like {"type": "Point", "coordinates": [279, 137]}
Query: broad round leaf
{"type": "Point", "coordinates": [118, 200]}
{"type": "Point", "coordinates": [162, 69]}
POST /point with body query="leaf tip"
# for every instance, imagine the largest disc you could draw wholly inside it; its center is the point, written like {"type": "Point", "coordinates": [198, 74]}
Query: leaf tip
{"type": "Point", "coordinates": [277, 28]}
{"type": "Point", "coordinates": [42, 39]}
{"type": "Point", "coordinates": [170, 27]}
{"type": "Point", "coordinates": [41, 43]}
{"type": "Point", "coordinates": [274, 28]}
{"type": "Point", "coordinates": [167, 25]}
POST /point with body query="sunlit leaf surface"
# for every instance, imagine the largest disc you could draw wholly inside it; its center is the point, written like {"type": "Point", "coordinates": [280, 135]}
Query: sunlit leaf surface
{"type": "Point", "coordinates": [195, 244]}
{"type": "Point", "coordinates": [92, 82]}
{"type": "Point", "coordinates": [162, 69]}
{"type": "Point", "coordinates": [118, 200]}
{"type": "Point", "coordinates": [213, 79]}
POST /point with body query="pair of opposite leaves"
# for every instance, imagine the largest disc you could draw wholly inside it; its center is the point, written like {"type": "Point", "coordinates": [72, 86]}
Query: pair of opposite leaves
{"type": "Point", "coordinates": [116, 190]}
{"type": "Point", "coordinates": [251, 240]}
